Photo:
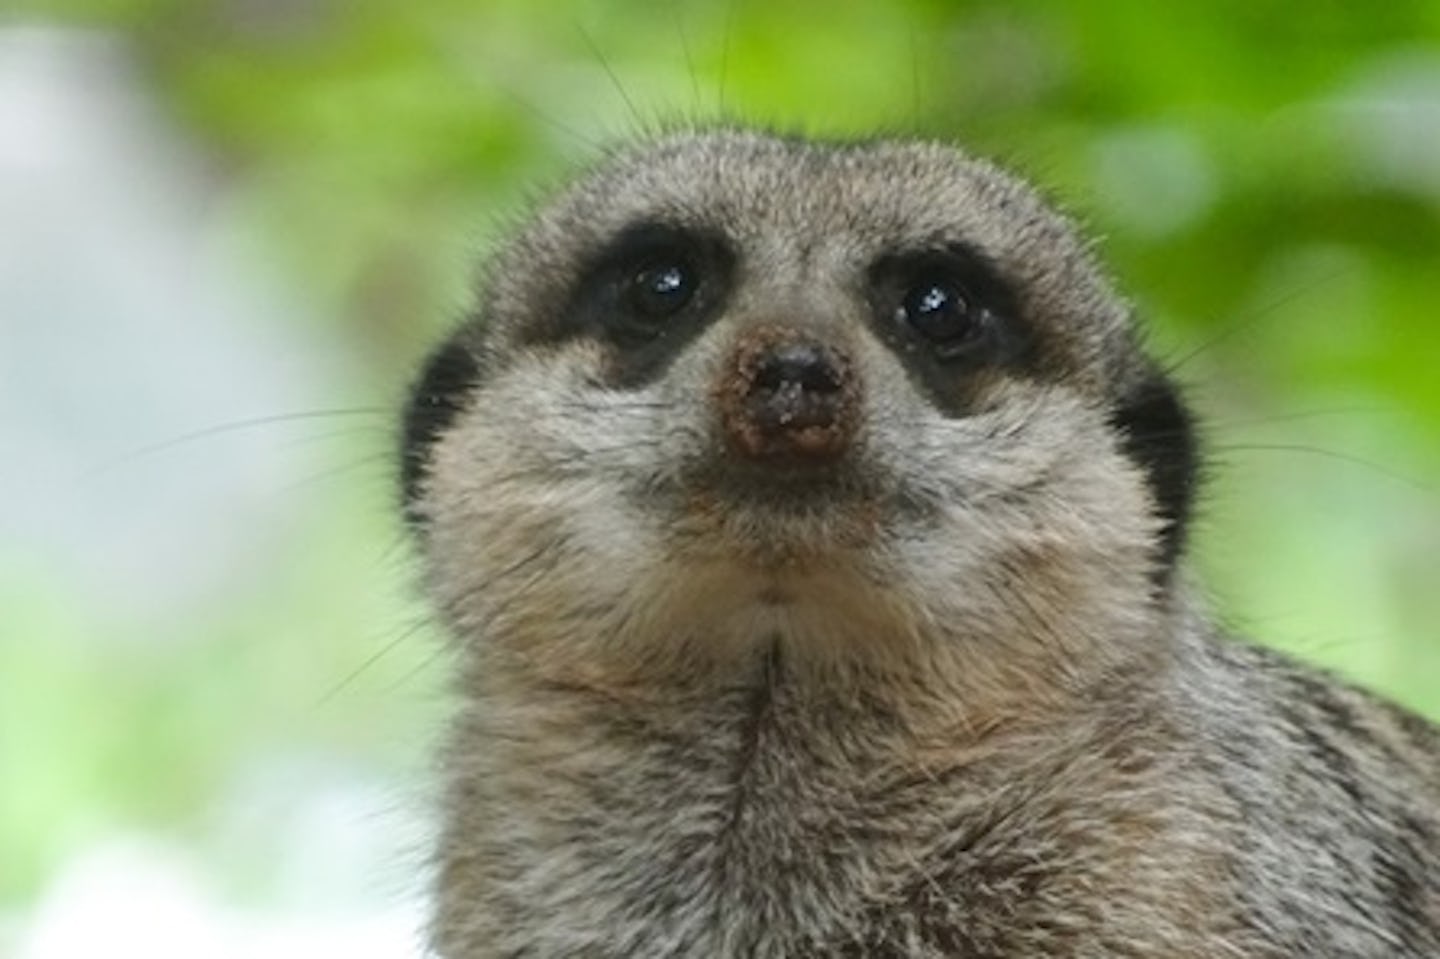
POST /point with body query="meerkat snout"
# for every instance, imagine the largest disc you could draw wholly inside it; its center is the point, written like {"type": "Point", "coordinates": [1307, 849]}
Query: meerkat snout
{"type": "Point", "coordinates": [788, 398]}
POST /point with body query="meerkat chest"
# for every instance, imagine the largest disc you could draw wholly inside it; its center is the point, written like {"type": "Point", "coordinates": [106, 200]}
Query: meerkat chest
{"type": "Point", "coordinates": [746, 829]}
{"type": "Point", "coordinates": [760, 828]}
{"type": "Point", "coordinates": [767, 824]}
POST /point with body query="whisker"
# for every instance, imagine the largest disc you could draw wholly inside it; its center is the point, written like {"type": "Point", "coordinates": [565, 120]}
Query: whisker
{"type": "Point", "coordinates": [233, 426]}
{"type": "Point", "coordinates": [1303, 415]}
{"type": "Point", "coordinates": [368, 434]}
{"type": "Point", "coordinates": [547, 118]}
{"type": "Point", "coordinates": [915, 99]}
{"type": "Point", "coordinates": [1398, 477]}
{"type": "Point", "coordinates": [337, 471]}
{"type": "Point", "coordinates": [437, 651]}
{"type": "Point", "coordinates": [1249, 318]}
{"type": "Point", "coordinates": [369, 662]}
{"type": "Point", "coordinates": [725, 55]}
{"type": "Point", "coordinates": [1211, 425]}
{"type": "Point", "coordinates": [685, 52]}
{"type": "Point", "coordinates": [609, 72]}
{"type": "Point", "coordinates": [604, 407]}
{"type": "Point", "coordinates": [392, 549]}
{"type": "Point", "coordinates": [456, 604]}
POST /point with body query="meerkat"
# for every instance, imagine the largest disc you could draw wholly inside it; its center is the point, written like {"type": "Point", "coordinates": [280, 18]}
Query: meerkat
{"type": "Point", "coordinates": [810, 524]}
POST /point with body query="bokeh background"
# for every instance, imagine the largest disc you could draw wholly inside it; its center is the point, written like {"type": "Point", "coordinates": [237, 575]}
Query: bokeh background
{"type": "Point", "coordinates": [230, 228]}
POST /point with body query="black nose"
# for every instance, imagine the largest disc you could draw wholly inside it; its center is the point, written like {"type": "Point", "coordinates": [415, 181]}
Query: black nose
{"type": "Point", "coordinates": [798, 373]}
{"type": "Point", "coordinates": [789, 398]}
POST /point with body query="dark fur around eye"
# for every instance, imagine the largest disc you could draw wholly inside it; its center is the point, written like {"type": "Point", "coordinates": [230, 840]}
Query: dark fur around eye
{"type": "Point", "coordinates": [948, 314]}
{"type": "Point", "coordinates": [448, 377]}
{"type": "Point", "coordinates": [647, 294]}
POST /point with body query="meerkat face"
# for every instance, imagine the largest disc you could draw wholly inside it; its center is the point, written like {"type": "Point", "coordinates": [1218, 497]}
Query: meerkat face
{"type": "Point", "coordinates": [730, 388]}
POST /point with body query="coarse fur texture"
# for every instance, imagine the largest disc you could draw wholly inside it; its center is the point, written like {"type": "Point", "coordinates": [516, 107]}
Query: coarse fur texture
{"type": "Point", "coordinates": [810, 524]}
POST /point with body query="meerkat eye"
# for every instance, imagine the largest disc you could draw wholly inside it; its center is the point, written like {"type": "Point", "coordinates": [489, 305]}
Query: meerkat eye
{"type": "Point", "coordinates": [943, 312]}
{"type": "Point", "coordinates": [661, 288]}
{"type": "Point", "coordinates": [939, 310]}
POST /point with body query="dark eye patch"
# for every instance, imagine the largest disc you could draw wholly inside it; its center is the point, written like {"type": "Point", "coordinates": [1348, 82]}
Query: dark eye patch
{"type": "Point", "coordinates": [949, 316]}
{"type": "Point", "coordinates": [649, 292]}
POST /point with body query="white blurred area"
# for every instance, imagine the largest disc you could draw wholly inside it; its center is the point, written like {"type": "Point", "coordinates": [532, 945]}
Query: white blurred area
{"type": "Point", "coordinates": [136, 896]}
{"type": "Point", "coordinates": [332, 846]}
{"type": "Point", "coordinates": [127, 323]}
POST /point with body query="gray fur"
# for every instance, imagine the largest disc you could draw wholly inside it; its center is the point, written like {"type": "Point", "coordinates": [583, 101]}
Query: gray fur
{"type": "Point", "coordinates": [950, 711]}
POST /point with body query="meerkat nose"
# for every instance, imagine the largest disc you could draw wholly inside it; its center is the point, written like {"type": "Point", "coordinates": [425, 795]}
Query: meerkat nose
{"type": "Point", "coordinates": [788, 398]}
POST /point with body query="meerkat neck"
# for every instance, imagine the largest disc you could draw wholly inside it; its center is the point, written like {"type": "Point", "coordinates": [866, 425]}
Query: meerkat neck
{"type": "Point", "coordinates": [608, 796]}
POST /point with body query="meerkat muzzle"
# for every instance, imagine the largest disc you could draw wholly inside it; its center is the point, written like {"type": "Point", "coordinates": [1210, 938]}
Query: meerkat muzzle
{"type": "Point", "coordinates": [788, 398]}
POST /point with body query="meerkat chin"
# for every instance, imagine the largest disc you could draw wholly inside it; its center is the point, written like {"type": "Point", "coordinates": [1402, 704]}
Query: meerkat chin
{"type": "Point", "coordinates": [810, 523]}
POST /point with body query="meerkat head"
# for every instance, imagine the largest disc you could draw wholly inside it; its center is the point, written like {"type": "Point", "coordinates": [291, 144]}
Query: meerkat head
{"type": "Point", "coordinates": [870, 401]}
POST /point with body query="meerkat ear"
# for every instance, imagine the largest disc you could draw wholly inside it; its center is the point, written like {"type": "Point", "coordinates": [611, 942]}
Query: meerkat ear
{"type": "Point", "coordinates": [1158, 434]}
{"type": "Point", "coordinates": [437, 396]}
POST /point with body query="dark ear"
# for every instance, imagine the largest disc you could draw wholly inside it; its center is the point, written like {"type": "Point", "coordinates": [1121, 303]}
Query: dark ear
{"type": "Point", "coordinates": [1158, 434]}
{"type": "Point", "coordinates": [438, 395]}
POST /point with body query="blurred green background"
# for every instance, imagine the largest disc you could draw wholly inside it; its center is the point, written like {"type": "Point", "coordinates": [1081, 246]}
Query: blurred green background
{"type": "Point", "coordinates": [231, 227]}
